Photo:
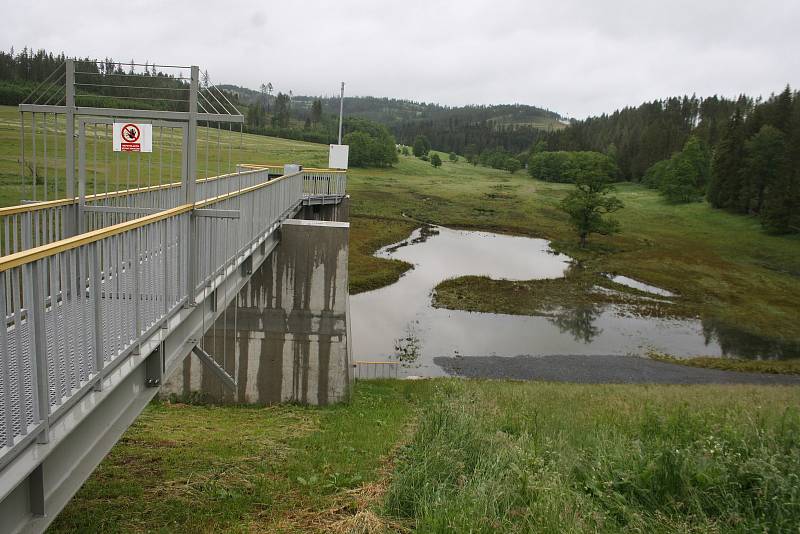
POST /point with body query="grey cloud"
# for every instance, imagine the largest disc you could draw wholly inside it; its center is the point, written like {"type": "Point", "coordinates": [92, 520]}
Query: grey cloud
{"type": "Point", "coordinates": [577, 58]}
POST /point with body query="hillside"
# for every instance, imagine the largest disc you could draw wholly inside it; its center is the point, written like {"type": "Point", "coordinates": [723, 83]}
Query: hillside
{"type": "Point", "coordinates": [394, 112]}
{"type": "Point", "coordinates": [463, 129]}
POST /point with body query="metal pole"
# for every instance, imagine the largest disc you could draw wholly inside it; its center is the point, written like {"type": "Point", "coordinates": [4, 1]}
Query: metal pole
{"type": "Point", "coordinates": [69, 150]}
{"type": "Point", "coordinates": [190, 179]}
{"type": "Point", "coordinates": [189, 183]}
{"type": "Point", "coordinates": [81, 222]}
{"type": "Point", "coordinates": [341, 111]}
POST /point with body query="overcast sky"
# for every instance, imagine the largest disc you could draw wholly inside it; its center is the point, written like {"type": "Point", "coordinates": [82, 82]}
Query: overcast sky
{"type": "Point", "coordinates": [576, 58]}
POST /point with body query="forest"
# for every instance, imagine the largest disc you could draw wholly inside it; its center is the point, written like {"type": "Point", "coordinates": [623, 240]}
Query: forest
{"type": "Point", "coordinates": [464, 130]}
{"type": "Point", "coordinates": [102, 83]}
{"type": "Point", "coordinates": [741, 155]}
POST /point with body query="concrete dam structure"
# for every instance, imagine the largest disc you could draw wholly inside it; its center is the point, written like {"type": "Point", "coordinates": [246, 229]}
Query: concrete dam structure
{"type": "Point", "coordinates": [285, 338]}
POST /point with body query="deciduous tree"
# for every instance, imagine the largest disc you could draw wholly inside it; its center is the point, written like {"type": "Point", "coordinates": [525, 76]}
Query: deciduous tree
{"type": "Point", "coordinates": [589, 206]}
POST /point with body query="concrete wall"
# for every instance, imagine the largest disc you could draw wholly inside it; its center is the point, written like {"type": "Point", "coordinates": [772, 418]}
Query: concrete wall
{"type": "Point", "coordinates": [327, 212]}
{"type": "Point", "coordinates": [286, 337]}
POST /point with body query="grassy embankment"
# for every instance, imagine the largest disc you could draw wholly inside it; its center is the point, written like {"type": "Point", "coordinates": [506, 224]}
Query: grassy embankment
{"type": "Point", "coordinates": [457, 456]}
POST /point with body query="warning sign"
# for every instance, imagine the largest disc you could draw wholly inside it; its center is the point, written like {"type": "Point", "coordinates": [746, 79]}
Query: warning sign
{"type": "Point", "coordinates": [133, 137]}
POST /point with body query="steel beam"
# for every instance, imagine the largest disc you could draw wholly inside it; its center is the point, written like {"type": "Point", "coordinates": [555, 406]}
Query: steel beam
{"type": "Point", "coordinates": [121, 209]}
{"type": "Point", "coordinates": [134, 113]}
{"type": "Point", "coordinates": [220, 214]}
{"type": "Point", "coordinates": [212, 365]}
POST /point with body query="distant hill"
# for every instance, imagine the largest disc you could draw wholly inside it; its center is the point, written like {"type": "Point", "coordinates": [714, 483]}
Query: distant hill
{"type": "Point", "coordinates": [461, 129]}
{"type": "Point", "coordinates": [394, 112]}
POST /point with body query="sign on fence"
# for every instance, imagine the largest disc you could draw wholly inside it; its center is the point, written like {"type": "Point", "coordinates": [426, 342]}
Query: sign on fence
{"type": "Point", "coordinates": [133, 137]}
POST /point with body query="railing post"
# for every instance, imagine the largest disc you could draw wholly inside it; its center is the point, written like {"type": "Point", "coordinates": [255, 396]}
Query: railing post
{"type": "Point", "coordinates": [34, 302]}
{"type": "Point", "coordinates": [6, 363]}
{"type": "Point", "coordinates": [81, 223]}
{"type": "Point", "coordinates": [137, 312]}
{"type": "Point", "coordinates": [69, 148]}
{"type": "Point", "coordinates": [96, 295]}
{"type": "Point", "coordinates": [189, 186]}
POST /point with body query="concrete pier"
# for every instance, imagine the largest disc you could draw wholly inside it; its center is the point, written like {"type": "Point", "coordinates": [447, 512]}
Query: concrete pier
{"type": "Point", "coordinates": [286, 337]}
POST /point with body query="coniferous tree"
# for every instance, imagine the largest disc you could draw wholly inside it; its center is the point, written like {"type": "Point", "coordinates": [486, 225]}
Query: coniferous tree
{"type": "Point", "coordinates": [685, 178]}
{"type": "Point", "coordinates": [726, 169]}
{"type": "Point", "coordinates": [421, 146]}
{"type": "Point", "coordinates": [765, 165]}
{"type": "Point", "coordinates": [316, 111]}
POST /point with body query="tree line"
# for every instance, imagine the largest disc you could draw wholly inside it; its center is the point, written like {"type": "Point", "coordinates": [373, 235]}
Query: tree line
{"type": "Point", "coordinates": [741, 155]}
{"type": "Point", "coordinates": [99, 83]}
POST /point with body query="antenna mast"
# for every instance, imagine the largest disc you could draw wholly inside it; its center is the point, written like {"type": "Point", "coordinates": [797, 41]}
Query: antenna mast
{"type": "Point", "coordinates": [341, 110]}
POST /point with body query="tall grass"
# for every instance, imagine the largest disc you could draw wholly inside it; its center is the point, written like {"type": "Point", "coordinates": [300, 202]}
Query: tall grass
{"type": "Point", "coordinates": [535, 458]}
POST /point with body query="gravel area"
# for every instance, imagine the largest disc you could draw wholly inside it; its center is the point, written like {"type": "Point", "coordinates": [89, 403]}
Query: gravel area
{"type": "Point", "coordinates": [601, 370]}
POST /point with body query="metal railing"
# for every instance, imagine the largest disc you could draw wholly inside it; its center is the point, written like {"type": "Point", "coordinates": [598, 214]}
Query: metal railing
{"type": "Point", "coordinates": [35, 224]}
{"type": "Point", "coordinates": [75, 308]}
{"type": "Point", "coordinates": [371, 370]}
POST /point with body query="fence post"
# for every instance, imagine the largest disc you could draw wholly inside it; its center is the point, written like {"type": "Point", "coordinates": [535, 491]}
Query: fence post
{"type": "Point", "coordinates": [96, 294]}
{"type": "Point", "coordinates": [189, 186]}
{"type": "Point", "coordinates": [80, 222]}
{"type": "Point", "coordinates": [34, 302]}
{"type": "Point", "coordinates": [69, 148]}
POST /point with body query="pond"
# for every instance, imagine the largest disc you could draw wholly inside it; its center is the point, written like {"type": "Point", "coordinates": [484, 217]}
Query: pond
{"type": "Point", "coordinates": [399, 319]}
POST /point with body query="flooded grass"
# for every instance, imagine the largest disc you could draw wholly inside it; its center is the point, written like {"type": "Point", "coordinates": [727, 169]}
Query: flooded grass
{"type": "Point", "coordinates": [578, 288]}
{"type": "Point", "coordinates": [368, 234]}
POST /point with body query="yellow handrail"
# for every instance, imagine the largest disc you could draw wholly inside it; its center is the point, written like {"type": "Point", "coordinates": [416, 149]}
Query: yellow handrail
{"type": "Point", "coordinates": [51, 249]}
{"type": "Point", "coordinates": [35, 206]}
{"type": "Point", "coordinates": [270, 166]}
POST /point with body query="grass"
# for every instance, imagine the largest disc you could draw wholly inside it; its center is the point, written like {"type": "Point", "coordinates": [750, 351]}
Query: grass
{"type": "Point", "coordinates": [578, 288]}
{"type": "Point", "coordinates": [526, 457]}
{"type": "Point", "coordinates": [778, 367]}
{"type": "Point", "coordinates": [194, 468]}
{"type": "Point", "coordinates": [459, 456]}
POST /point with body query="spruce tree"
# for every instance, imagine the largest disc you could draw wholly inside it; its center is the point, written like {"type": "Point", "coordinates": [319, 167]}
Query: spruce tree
{"type": "Point", "coordinates": [765, 166]}
{"type": "Point", "coordinates": [725, 184]}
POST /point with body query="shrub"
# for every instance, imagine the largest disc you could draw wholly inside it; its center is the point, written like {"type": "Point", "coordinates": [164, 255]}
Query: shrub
{"type": "Point", "coordinates": [567, 167]}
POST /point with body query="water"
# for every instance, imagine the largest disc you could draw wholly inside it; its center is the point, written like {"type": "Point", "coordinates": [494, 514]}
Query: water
{"type": "Point", "coordinates": [403, 310]}
{"type": "Point", "coordinates": [641, 286]}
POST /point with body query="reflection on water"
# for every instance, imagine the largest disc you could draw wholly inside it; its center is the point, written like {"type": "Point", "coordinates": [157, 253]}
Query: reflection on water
{"type": "Point", "coordinates": [579, 321]}
{"type": "Point", "coordinates": [382, 317]}
{"type": "Point", "coordinates": [641, 286]}
{"type": "Point", "coordinates": [743, 344]}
